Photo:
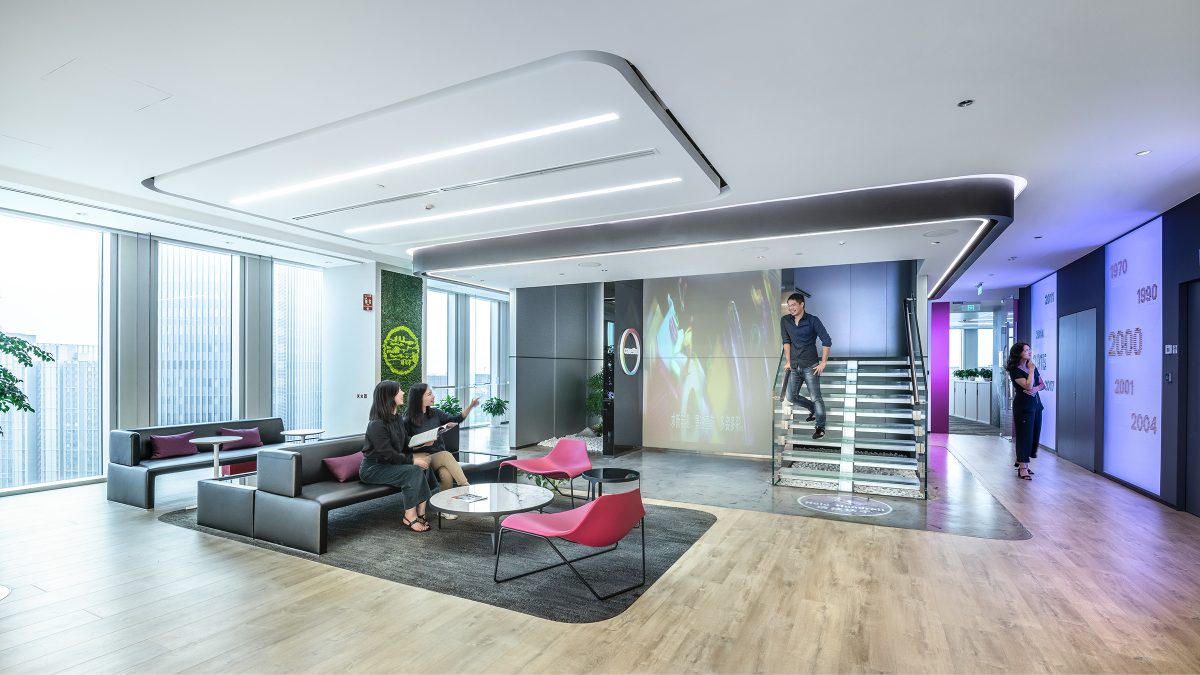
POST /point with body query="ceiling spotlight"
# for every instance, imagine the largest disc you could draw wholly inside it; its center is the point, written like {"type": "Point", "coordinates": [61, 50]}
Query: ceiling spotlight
{"type": "Point", "coordinates": [841, 243]}
{"type": "Point", "coordinates": [760, 257]}
{"type": "Point", "coordinates": [979, 288]}
{"type": "Point", "coordinates": [429, 157]}
{"type": "Point", "coordinates": [428, 206]}
{"type": "Point", "coordinates": [589, 264]}
{"type": "Point", "coordinates": [1142, 153]}
{"type": "Point", "coordinates": [935, 242]}
{"type": "Point", "coordinates": [966, 102]}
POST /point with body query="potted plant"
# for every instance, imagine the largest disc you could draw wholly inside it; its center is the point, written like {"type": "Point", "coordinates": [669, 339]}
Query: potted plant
{"type": "Point", "coordinates": [452, 407]}
{"type": "Point", "coordinates": [960, 374]}
{"type": "Point", "coordinates": [496, 407]}
{"type": "Point", "coordinates": [986, 374]}
{"type": "Point", "coordinates": [594, 404]}
{"type": "Point", "coordinates": [11, 396]}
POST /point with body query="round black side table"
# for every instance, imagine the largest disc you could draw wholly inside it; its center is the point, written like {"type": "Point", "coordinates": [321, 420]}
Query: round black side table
{"type": "Point", "coordinates": [596, 478]}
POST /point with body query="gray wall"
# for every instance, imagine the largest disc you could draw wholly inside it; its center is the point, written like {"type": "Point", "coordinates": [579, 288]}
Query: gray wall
{"type": "Point", "coordinates": [558, 342]}
{"type": "Point", "coordinates": [862, 306]}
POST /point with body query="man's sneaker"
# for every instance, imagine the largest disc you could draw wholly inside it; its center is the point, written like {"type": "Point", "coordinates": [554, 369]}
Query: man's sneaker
{"type": "Point", "coordinates": [819, 433]}
{"type": "Point", "coordinates": [811, 417]}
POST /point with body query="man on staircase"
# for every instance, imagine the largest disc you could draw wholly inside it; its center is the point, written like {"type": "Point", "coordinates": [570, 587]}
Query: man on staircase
{"type": "Point", "coordinates": [800, 331]}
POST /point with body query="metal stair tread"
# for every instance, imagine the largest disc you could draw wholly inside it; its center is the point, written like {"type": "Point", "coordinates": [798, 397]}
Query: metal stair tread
{"type": "Point", "coordinates": [865, 460]}
{"type": "Point", "coordinates": [909, 482]}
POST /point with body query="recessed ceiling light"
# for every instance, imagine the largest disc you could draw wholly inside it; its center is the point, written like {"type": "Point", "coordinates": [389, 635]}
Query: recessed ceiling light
{"type": "Point", "coordinates": [516, 205]}
{"type": "Point", "coordinates": [990, 274]}
{"type": "Point", "coordinates": [760, 257]}
{"type": "Point", "coordinates": [589, 264]}
{"type": "Point", "coordinates": [603, 270]}
{"type": "Point", "coordinates": [841, 243]}
{"type": "Point", "coordinates": [1012, 258]}
{"type": "Point", "coordinates": [966, 102]}
{"type": "Point", "coordinates": [562, 274]}
{"type": "Point", "coordinates": [1037, 236]}
{"type": "Point", "coordinates": [1142, 153]}
{"type": "Point", "coordinates": [81, 213]}
{"type": "Point", "coordinates": [800, 253]}
{"type": "Point", "coordinates": [429, 157]}
{"type": "Point", "coordinates": [935, 242]}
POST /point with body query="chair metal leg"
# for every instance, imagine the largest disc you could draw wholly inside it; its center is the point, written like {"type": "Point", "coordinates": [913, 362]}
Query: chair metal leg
{"type": "Point", "coordinates": [568, 563]}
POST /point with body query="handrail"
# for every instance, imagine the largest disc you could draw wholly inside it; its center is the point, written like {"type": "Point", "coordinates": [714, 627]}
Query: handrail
{"type": "Point", "coordinates": [912, 354]}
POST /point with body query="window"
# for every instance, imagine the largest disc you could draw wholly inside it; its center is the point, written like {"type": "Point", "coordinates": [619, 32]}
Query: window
{"type": "Point", "coordinates": [59, 312]}
{"type": "Point", "coordinates": [465, 338]}
{"type": "Point", "coordinates": [439, 353]}
{"type": "Point", "coordinates": [987, 356]}
{"type": "Point", "coordinates": [956, 349]}
{"type": "Point", "coordinates": [195, 335]}
{"type": "Point", "coordinates": [296, 346]}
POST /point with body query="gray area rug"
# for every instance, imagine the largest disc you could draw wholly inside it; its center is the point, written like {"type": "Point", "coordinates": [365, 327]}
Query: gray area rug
{"type": "Point", "coordinates": [458, 560]}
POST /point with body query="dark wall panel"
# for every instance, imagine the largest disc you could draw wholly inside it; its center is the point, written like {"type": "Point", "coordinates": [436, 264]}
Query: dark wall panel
{"type": "Point", "coordinates": [534, 400]}
{"type": "Point", "coordinates": [862, 306]}
{"type": "Point", "coordinates": [570, 322]}
{"type": "Point", "coordinates": [1081, 287]}
{"type": "Point", "coordinates": [535, 322]}
{"type": "Point", "coordinates": [1181, 265]}
{"type": "Point", "coordinates": [627, 389]}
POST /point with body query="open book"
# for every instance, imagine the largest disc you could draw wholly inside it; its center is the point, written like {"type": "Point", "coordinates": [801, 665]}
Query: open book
{"type": "Point", "coordinates": [429, 436]}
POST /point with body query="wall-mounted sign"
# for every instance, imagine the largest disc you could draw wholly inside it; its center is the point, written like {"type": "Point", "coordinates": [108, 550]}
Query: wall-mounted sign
{"type": "Point", "coordinates": [630, 348]}
{"type": "Point", "coordinates": [401, 350]}
{"type": "Point", "coordinates": [368, 302]}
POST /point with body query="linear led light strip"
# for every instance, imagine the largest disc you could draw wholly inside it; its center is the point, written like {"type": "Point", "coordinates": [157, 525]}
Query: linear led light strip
{"type": "Point", "coordinates": [979, 231]}
{"type": "Point", "coordinates": [516, 205]}
{"type": "Point", "coordinates": [983, 223]}
{"type": "Point", "coordinates": [421, 159]}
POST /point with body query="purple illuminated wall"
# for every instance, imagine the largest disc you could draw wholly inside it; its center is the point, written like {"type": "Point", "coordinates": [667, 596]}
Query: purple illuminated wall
{"type": "Point", "coordinates": [939, 367]}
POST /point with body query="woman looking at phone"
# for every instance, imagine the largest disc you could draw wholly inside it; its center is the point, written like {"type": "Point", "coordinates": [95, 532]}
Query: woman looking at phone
{"type": "Point", "coordinates": [1026, 406]}
{"type": "Point", "coordinates": [421, 416]}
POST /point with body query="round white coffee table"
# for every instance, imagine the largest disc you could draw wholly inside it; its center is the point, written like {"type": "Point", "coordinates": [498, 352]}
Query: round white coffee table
{"type": "Point", "coordinates": [499, 500]}
{"type": "Point", "coordinates": [216, 442]}
{"type": "Point", "coordinates": [303, 434]}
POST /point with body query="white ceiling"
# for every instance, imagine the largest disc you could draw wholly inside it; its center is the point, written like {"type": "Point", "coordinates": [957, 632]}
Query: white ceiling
{"type": "Point", "coordinates": [784, 98]}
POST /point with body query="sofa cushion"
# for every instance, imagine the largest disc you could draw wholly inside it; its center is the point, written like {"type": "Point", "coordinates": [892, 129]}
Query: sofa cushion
{"type": "Point", "coordinates": [173, 446]}
{"type": "Point", "coordinates": [344, 468]}
{"type": "Point", "coordinates": [332, 495]}
{"type": "Point", "coordinates": [250, 438]}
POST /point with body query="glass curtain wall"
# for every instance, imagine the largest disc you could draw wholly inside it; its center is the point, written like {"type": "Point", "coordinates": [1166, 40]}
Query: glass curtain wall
{"type": "Point", "coordinates": [296, 348]}
{"type": "Point", "coordinates": [466, 336]}
{"type": "Point", "coordinates": [50, 282]}
{"type": "Point", "coordinates": [195, 335]}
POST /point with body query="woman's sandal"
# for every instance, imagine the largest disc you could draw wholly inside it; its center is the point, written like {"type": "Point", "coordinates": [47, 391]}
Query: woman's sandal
{"type": "Point", "coordinates": [1024, 476]}
{"type": "Point", "coordinates": [413, 524]}
{"type": "Point", "coordinates": [1017, 466]}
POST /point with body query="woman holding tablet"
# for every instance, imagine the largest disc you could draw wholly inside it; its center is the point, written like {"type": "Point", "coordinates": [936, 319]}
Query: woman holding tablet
{"type": "Point", "coordinates": [421, 417]}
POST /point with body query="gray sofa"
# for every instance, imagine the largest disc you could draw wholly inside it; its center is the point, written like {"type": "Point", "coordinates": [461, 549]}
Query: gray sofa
{"type": "Point", "coordinates": [131, 471]}
{"type": "Point", "coordinates": [296, 492]}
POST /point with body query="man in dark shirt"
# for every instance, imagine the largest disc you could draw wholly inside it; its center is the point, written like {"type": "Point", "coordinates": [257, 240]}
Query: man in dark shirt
{"type": "Point", "coordinates": [800, 330]}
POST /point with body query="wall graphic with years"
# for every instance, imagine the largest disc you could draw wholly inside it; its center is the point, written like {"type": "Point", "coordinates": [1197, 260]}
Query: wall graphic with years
{"type": "Point", "coordinates": [1133, 357]}
{"type": "Point", "coordinates": [1044, 345]}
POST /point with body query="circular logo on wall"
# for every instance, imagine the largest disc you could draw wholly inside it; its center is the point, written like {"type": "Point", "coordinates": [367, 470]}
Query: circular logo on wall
{"type": "Point", "coordinates": [845, 506]}
{"type": "Point", "coordinates": [401, 350]}
{"type": "Point", "coordinates": [630, 348]}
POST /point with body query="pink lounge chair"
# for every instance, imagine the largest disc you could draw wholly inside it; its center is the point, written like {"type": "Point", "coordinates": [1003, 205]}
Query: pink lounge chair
{"type": "Point", "coordinates": [598, 524]}
{"type": "Point", "coordinates": [567, 459]}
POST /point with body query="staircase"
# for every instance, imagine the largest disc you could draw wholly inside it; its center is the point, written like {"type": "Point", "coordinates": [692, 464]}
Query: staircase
{"type": "Point", "coordinates": [875, 427]}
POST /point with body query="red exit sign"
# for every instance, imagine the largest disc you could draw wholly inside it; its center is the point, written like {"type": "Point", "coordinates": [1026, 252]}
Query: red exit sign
{"type": "Point", "coordinates": [368, 302]}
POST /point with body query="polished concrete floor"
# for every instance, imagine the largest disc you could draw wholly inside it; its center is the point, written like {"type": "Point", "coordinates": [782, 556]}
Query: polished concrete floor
{"type": "Point", "coordinates": [957, 504]}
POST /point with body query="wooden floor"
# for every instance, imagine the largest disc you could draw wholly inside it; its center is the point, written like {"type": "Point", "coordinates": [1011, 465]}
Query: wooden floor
{"type": "Point", "coordinates": [1110, 582]}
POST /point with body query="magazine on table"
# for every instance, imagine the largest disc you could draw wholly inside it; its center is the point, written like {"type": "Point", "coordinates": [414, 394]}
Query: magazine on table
{"type": "Point", "coordinates": [429, 436]}
{"type": "Point", "coordinates": [469, 497]}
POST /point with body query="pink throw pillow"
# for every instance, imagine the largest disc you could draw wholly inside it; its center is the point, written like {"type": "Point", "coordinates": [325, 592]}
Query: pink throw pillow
{"type": "Point", "coordinates": [172, 446]}
{"type": "Point", "coordinates": [251, 438]}
{"type": "Point", "coordinates": [344, 468]}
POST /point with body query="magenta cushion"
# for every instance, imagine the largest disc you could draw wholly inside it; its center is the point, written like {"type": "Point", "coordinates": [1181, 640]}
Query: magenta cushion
{"type": "Point", "coordinates": [250, 438]}
{"type": "Point", "coordinates": [172, 446]}
{"type": "Point", "coordinates": [344, 468]}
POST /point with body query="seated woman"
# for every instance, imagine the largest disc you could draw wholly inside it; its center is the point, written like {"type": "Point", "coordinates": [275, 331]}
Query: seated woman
{"type": "Point", "coordinates": [385, 461]}
{"type": "Point", "coordinates": [421, 416]}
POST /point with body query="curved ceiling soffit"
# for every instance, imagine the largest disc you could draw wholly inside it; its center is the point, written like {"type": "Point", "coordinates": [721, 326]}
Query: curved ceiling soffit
{"type": "Point", "coordinates": [987, 198]}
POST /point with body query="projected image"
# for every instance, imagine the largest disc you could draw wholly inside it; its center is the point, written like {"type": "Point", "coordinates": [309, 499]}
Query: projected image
{"type": "Point", "coordinates": [711, 344]}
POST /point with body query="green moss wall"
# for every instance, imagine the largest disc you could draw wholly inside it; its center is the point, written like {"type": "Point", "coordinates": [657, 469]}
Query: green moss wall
{"type": "Point", "coordinates": [400, 300]}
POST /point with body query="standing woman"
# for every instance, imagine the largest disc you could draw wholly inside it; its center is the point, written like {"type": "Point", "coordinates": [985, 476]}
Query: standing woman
{"type": "Point", "coordinates": [1026, 406]}
{"type": "Point", "coordinates": [384, 460]}
{"type": "Point", "coordinates": [422, 416]}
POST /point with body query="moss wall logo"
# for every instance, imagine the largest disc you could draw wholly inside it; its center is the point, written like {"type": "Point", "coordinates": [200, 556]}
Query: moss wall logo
{"type": "Point", "coordinates": [401, 350]}
{"type": "Point", "coordinates": [631, 351]}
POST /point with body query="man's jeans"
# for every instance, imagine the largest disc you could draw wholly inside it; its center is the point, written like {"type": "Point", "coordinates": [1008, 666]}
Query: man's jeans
{"type": "Point", "coordinates": [817, 405]}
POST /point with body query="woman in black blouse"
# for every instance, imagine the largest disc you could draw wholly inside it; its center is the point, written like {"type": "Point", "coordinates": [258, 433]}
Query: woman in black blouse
{"type": "Point", "coordinates": [385, 461]}
{"type": "Point", "coordinates": [421, 416]}
{"type": "Point", "coordinates": [1026, 406]}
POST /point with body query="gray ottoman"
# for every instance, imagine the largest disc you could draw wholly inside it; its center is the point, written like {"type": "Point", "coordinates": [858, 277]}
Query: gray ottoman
{"type": "Point", "coordinates": [226, 504]}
